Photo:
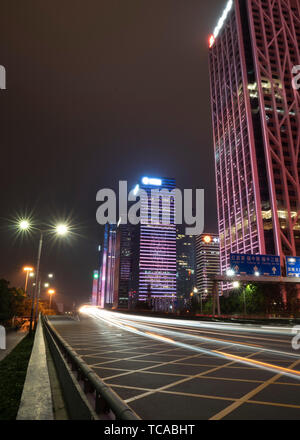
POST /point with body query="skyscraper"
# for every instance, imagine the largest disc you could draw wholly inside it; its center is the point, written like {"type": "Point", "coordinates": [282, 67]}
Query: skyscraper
{"type": "Point", "coordinates": [125, 283]}
{"type": "Point", "coordinates": [107, 269]}
{"type": "Point", "coordinates": [186, 261]}
{"type": "Point", "coordinates": [157, 248]}
{"type": "Point", "coordinates": [207, 262]}
{"type": "Point", "coordinates": [256, 127]}
{"type": "Point", "coordinates": [139, 261]}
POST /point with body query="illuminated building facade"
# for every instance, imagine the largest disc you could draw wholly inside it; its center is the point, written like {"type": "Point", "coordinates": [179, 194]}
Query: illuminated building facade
{"type": "Point", "coordinates": [139, 261]}
{"type": "Point", "coordinates": [207, 262]}
{"type": "Point", "coordinates": [107, 278]}
{"type": "Point", "coordinates": [185, 263]}
{"type": "Point", "coordinates": [256, 127]}
{"type": "Point", "coordinates": [126, 270]}
{"type": "Point", "coordinates": [157, 248]}
{"type": "Point", "coordinates": [95, 288]}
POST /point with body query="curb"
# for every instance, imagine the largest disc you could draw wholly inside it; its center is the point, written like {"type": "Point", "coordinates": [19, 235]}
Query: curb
{"type": "Point", "coordinates": [36, 401]}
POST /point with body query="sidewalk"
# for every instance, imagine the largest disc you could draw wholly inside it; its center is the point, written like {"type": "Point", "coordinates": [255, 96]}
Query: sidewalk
{"type": "Point", "coordinates": [12, 339]}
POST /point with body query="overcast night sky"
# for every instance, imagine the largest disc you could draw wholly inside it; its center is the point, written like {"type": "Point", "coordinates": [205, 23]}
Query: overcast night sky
{"type": "Point", "coordinates": [97, 92]}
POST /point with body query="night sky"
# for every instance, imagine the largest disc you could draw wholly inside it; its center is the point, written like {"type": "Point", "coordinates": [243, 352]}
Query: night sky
{"type": "Point", "coordinates": [97, 92]}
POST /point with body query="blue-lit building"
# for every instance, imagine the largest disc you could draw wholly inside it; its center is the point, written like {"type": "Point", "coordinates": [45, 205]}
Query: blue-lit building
{"type": "Point", "coordinates": [157, 246]}
{"type": "Point", "coordinates": [139, 261]}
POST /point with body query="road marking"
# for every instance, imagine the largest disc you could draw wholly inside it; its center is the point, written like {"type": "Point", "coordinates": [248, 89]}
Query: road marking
{"type": "Point", "coordinates": [182, 380]}
{"type": "Point", "coordinates": [165, 389]}
{"type": "Point", "coordinates": [248, 396]}
{"type": "Point", "coordinates": [261, 364]}
{"type": "Point", "coordinates": [284, 405]}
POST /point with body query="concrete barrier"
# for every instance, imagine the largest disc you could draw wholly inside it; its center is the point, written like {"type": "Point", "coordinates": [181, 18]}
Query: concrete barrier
{"type": "Point", "coordinates": [36, 401]}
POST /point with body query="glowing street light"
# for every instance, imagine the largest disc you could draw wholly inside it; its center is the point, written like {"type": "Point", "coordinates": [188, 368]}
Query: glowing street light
{"type": "Point", "coordinates": [236, 284]}
{"type": "Point", "coordinates": [28, 271]}
{"type": "Point", "coordinates": [230, 273]}
{"type": "Point", "coordinates": [46, 285]}
{"type": "Point", "coordinates": [24, 225]}
{"type": "Point", "coordinates": [51, 292]}
{"type": "Point", "coordinates": [50, 275]}
{"type": "Point", "coordinates": [62, 229]}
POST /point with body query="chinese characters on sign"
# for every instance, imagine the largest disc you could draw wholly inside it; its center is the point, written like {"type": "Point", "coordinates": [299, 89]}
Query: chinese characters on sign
{"type": "Point", "coordinates": [293, 267]}
{"type": "Point", "coordinates": [264, 265]}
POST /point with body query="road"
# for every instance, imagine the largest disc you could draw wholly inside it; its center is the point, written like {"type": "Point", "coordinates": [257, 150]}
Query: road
{"type": "Point", "coordinates": [167, 369]}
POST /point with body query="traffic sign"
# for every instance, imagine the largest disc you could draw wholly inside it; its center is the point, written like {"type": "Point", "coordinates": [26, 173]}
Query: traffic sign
{"type": "Point", "coordinates": [247, 264]}
{"type": "Point", "coordinates": [293, 267]}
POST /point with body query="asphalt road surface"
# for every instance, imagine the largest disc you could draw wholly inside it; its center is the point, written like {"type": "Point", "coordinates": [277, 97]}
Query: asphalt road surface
{"type": "Point", "coordinates": [167, 369]}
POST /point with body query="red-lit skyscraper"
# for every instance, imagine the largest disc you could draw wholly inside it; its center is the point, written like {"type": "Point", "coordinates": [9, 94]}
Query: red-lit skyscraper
{"type": "Point", "coordinates": [256, 127]}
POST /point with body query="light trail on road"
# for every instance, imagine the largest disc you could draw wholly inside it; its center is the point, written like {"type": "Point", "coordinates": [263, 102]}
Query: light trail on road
{"type": "Point", "coordinates": [155, 328]}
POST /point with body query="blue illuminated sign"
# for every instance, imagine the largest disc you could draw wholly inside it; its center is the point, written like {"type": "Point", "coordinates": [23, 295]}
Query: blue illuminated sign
{"type": "Point", "coordinates": [259, 265]}
{"type": "Point", "coordinates": [293, 267]}
{"type": "Point", "coordinates": [151, 181]}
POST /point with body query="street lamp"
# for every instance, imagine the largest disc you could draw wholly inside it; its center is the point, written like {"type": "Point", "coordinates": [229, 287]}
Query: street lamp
{"type": "Point", "coordinates": [60, 230]}
{"type": "Point", "coordinates": [230, 272]}
{"type": "Point", "coordinates": [51, 292]}
{"type": "Point", "coordinates": [28, 271]}
{"type": "Point", "coordinates": [24, 225]}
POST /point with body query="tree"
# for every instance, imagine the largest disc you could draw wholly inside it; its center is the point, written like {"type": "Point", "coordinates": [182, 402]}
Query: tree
{"type": "Point", "coordinates": [5, 310]}
{"type": "Point", "coordinates": [255, 302]}
{"type": "Point", "coordinates": [13, 302]}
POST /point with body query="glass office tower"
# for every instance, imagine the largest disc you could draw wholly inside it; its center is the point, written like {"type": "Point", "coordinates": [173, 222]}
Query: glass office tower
{"type": "Point", "coordinates": [256, 127]}
{"type": "Point", "coordinates": [157, 247]}
{"type": "Point", "coordinates": [186, 263]}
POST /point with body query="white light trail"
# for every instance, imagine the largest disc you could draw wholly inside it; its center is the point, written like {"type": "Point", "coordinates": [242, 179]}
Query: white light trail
{"type": "Point", "coordinates": [114, 319]}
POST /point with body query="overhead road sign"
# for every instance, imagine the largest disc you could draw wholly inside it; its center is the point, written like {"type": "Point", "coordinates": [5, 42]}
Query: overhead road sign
{"type": "Point", "coordinates": [258, 265]}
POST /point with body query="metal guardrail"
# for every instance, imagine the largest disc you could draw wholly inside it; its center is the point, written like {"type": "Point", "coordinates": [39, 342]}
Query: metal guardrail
{"type": "Point", "coordinates": [107, 404]}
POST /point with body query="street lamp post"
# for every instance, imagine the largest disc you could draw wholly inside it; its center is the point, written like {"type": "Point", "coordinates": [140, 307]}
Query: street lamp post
{"type": "Point", "coordinates": [61, 230]}
{"type": "Point", "coordinates": [37, 282]}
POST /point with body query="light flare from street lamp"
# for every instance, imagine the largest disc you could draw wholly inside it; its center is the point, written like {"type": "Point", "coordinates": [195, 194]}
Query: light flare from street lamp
{"type": "Point", "coordinates": [28, 269]}
{"type": "Point", "coordinates": [24, 225]}
{"type": "Point", "coordinates": [230, 272]}
{"type": "Point", "coordinates": [62, 229]}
